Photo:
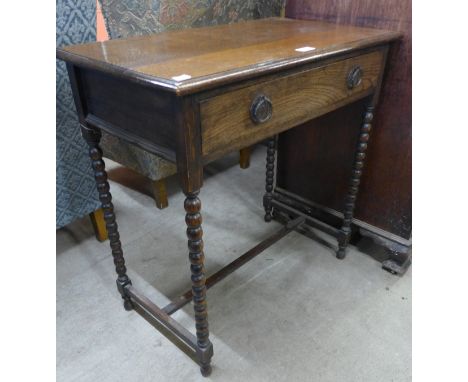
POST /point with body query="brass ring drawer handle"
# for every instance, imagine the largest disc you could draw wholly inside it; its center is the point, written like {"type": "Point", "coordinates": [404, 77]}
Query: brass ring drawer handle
{"type": "Point", "coordinates": [354, 77]}
{"type": "Point", "coordinates": [261, 109]}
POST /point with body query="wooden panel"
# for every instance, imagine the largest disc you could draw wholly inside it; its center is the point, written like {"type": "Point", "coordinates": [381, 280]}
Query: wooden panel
{"type": "Point", "coordinates": [311, 159]}
{"type": "Point", "coordinates": [213, 56]}
{"type": "Point", "coordinates": [226, 122]}
{"type": "Point", "coordinates": [385, 194]}
{"type": "Point", "coordinates": [141, 114]}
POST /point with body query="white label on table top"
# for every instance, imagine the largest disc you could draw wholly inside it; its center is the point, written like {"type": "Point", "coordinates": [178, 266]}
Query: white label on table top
{"type": "Point", "coordinates": [305, 49]}
{"type": "Point", "coordinates": [182, 77]}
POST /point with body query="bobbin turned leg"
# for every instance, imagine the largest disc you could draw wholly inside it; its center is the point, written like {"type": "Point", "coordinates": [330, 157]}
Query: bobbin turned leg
{"type": "Point", "coordinates": [193, 219]}
{"type": "Point", "coordinates": [270, 167]}
{"type": "Point", "coordinates": [345, 232]}
{"type": "Point", "coordinates": [92, 137]}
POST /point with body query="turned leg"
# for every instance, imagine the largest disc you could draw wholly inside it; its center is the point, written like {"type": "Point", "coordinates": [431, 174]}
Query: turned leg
{"type": "Point", "coordinates": [92, 137]}
{"type": "Point", "coordinates": [244, 158]}
{"type": "Point", "coordinates": [345, 232]}
{"type": "Point", "coordinates": [270, 168]}
{"type": "Point", "coordinates": [160, 193]}
{"type": "Point", "coordinates": [193, 219]}
{"type": "Point", "coordinates": [99, 224]}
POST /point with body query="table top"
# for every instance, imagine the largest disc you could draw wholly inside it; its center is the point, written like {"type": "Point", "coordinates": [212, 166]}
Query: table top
{"type": "Point", "coordinates": [190, 60]}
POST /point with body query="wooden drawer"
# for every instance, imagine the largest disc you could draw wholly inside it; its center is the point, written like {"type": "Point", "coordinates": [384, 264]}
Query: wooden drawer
{"type": "Point", "coordinates": [227, 122]}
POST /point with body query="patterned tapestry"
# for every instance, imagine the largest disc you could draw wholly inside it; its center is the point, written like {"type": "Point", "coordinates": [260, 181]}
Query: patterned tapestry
{"type": "Point", "coordinates": [76, 193]}
{"type": "Point", "coordinates": [133, 17]}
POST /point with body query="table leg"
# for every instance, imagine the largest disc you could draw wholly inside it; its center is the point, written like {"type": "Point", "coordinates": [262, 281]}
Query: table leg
{"type": "Point", "coordinates": [92, 137]}
{"type": "Point", "coordinates": [345, 232]}
{"type": "Point", "coordinates": [193, 219]}
{"type": "Point", "coordinates": [270, 167]}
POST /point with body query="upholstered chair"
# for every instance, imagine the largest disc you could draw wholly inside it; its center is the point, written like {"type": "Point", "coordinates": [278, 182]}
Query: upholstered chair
{"type": "Point", "coordinates": [76, 194]}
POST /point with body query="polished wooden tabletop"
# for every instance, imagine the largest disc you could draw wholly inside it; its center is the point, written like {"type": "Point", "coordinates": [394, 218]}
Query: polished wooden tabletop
{"type": "Point", "coordinates": [191, 60]}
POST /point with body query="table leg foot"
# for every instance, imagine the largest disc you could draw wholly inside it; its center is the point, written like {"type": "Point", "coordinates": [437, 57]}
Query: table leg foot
{"type": "Point", "coordinates": [343, 240]}
{"type": "Point", "coordinates": [206, 370]}
{"type": "Point", "coordinates": [128, 305]}
{"type": "Point", "coordinates": [341, 253]}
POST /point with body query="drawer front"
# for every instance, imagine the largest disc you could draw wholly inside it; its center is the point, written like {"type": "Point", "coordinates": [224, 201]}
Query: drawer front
{"type": "Point", "coordinates": [242, 117]}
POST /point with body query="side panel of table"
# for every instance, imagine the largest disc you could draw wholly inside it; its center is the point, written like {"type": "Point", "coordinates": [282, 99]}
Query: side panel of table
{"type": "Point", "coordinates": [135, 112]}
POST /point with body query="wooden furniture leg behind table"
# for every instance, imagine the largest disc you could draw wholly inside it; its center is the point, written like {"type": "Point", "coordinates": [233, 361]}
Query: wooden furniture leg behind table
{"type": "Point", "coordinates": [99, 224]}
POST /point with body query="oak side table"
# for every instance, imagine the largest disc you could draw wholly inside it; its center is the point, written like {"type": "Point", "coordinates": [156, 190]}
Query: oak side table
{"type": "Point", "coordinates": [194, 95]}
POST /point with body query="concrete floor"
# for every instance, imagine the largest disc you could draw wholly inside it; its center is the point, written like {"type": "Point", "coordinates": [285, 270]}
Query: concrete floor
{"type": "Point", "coordinates": [295, 313]}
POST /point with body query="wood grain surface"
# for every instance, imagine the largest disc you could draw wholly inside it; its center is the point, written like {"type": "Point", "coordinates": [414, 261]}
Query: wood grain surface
{"type": "Point", "coordinates": [226, 121]}
{"type": "Point", "coordinates": [187, 61]}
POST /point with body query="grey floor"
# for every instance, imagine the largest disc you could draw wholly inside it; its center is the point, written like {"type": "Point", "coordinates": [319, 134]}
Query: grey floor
{"type": "Point", "coordinates": [295, 313]}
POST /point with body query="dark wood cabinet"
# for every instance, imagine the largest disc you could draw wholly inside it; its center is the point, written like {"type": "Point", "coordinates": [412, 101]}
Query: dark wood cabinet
{"type": "Point", "coordinates": [314, 160]}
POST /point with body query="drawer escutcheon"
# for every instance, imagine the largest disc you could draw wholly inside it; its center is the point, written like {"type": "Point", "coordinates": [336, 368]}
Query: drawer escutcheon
{"type": "Point", "coordinates": [354, 77]}
{"type": "Point", "coordinates": [261, 109]}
